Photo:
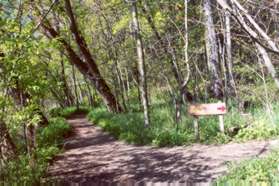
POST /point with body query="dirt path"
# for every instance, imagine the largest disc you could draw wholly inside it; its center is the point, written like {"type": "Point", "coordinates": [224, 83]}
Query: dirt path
{"type": "Point", "coordinates": [93, 156]}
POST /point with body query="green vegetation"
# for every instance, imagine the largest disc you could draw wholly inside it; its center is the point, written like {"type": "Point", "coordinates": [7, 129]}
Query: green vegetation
{"type": "Point", "coordinates": [129, 127]}
{"type": "Point", "coordinates": [28, 170]}
{"type": "Point", "coordinates": [163, 130]}
{"type": "Point", "coordinates": [138, 65]}
{"type": "Point", "coordinates": [68, 111]}
{"type": "Point", "coordinates": [258, 170]}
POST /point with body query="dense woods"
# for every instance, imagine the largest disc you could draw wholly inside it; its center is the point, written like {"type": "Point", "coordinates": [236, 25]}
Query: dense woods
{"type": "Point", "coordinates": [135, 66]}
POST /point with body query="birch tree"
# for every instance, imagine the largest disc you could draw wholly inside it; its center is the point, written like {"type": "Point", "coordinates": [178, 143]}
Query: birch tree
{"type": "Point", "coordinates": [262, 41]}
{"type": "Point", "coordinates": [141, 63]}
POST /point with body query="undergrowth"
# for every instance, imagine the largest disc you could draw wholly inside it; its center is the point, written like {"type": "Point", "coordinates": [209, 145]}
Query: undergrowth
{"type": "Point", "coordinates": [164, 132]}
{"type": "Point", "coordinates": [68, 111]}
{"type": "Point", "coordinates": [258, 170]}
{"type": "Point", "coordinates": [26, 170]}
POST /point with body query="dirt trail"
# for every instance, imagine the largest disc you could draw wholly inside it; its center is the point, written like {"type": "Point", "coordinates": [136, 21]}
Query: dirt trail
{"type": "Point", "coordinates": [94, 156]}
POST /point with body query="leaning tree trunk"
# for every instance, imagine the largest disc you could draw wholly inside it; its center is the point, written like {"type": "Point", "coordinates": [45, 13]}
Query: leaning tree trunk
{"type": "Point", "coordinates": [86, 63]}
{"type": "Point", "coordinates": [141, 65]}
{"type": "Point", "coordinates": [212, 51]}
{"type": "Point", "coordinates": [98, 80]}
{"type": "Point", "coordinates": [263, 42]}
{"type": "Point", "coordinates": [267, 62]}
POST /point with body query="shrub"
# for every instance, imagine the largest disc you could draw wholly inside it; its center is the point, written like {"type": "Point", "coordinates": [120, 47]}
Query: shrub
{"type": "Point", "coordinates": [20, 171]}
{"type": "Point", "coordinates": [255, 170]}
{"type": "Point", "coordinates": [66, 112]}
{"type": "Point", "coordinates": [53, 133]}
{"type": "Point", "coordinates": [263, 127]}
{"type": "Point", "coordinates": [172, 138]}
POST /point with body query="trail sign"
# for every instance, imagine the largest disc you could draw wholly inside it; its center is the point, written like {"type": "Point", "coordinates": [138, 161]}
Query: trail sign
{"type": "Point", "coordinates": [197, 110]}
{"type": "Point", "coordinates": [207, 109]}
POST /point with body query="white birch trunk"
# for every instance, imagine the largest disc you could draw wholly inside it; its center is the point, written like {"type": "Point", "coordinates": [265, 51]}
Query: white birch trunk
{"type": "Point", "coordinates": [141, 65]}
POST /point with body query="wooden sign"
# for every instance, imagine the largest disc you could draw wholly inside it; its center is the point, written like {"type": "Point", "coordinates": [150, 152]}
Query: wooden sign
{"type": "Point", "coordinates": [197, 110]}
{"type": "Point", "coordinates": [207, 109]}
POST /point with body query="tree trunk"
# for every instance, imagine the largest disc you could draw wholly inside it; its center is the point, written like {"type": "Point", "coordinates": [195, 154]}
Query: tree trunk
{"type": "Point", "coordinates": [181, 81]}
{"type": "Point", "coordinates": [186, 41]}
{"type": "Point", "coordinates": [30, 132]}
{"type": "Point", "coordinates": [89, 94]}
{"type": "Point", "coordinates": [75, 86]}
{"type": "Point", "coordinates": [239, 12]}
{"type": "Point", "coordinates": [69, 97]}
{"type": "Point", "coordinates": [229, 62]}
{"type": "Point", "coordinates": [121, 84]}
{"type": "Point", "coordinates": [261, 49]}
{"type": "Point", "coordinates": [212, 51]}
{"type": "Point", "coordinates": [267, 62]}
{"type": "Point", "coordinates": [88, 67]}
{"type": "Point", "coordinates": [7, 147]}
{"type": "Point", "coordinates": [141, 65]}
{"type": "Point", "coordinates": [96, 77]}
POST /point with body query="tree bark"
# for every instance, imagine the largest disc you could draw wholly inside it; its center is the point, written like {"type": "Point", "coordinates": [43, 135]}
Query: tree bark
{"type": "Point", "coordinates": [75, 86]}
{"type": "Point", "coordinates": [141, 65]}
{"type": "Point", "coordinates": [89, 94]}
{"type": "Point", "coordinates": [98, 80]}
{"type": "Point", "coordinates": [212, 51]}
{"type": "Point", "coordinates": [239, 12]}
{"type": "Point", "coordinates": [68, 94]}
{"type": "Point", "coordinates": [267, 62]}
{"type": "Point", "coordinates": [186, 41]}
{"type": "Point", "coordinates": [260, 48]}
{"type": "Point", "coordinates": [229, 62]}
{"type": "Point", "coordinates": [88, 67]}
{"type": "Point", "coordinates": [7, 147]}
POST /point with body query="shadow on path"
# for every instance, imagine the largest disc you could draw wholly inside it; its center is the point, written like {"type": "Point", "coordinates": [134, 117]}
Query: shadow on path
{"type": "Point", "coordinates": [93, 156]}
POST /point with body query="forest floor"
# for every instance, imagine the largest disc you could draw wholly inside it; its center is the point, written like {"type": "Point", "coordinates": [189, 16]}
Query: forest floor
{"type": "Point", "coordinates": [93, 156]}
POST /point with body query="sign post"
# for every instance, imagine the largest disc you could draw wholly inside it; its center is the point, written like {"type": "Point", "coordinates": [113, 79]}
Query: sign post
{"type": "Point", "coordinates": [196, 128]}
{"type": "Point", "coordinates": [221, 123]}
{"type": "Point", "coordinates": [197, 110]}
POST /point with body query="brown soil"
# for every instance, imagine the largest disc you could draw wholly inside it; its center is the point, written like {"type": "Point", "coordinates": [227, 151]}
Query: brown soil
{"type": "Point", "coordinates": [92, 156]}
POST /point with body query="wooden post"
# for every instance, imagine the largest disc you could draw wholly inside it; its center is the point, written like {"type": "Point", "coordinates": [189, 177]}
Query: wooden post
{"type": "Point", "coordinates": [221, 123]}
{"type": "Point", "coordinates": [208, 109]}
{"type": "Point", "coordinates": [196, 127]}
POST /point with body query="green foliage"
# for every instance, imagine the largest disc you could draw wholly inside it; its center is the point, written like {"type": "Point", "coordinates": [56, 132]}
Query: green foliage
{"type": "Point", "coordinates": [62, 112]}
{"type": "Point", "coordinates": [164, 132]}
{"type": "Point", "coordinates": [53, 134]}
{"type": "Point", "coordinates": [255, 170]}
{"type": "Point", "coordinates": [31, 64]}
{"type": "Point", "coordinates": [258, 130]}
{"type": "Point", "coordinates": [129, 127]}
{"type": "Point", "coordinates": [20, 171]}
{"type": "Point", "coordinates": [66, 112]}
{"type": "Point", "coordinates": [27, 170]}
{"type": "Point", "coordinates": [27, 116]}
{"type": "Point", "coordinates": [172, 137]}
{"type": "Point", "coordinates": [263, 125]}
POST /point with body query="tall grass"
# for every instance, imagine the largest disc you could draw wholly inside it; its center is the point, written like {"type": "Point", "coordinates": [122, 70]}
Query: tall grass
{"type": "Point", "coordinates": [163, 131]}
